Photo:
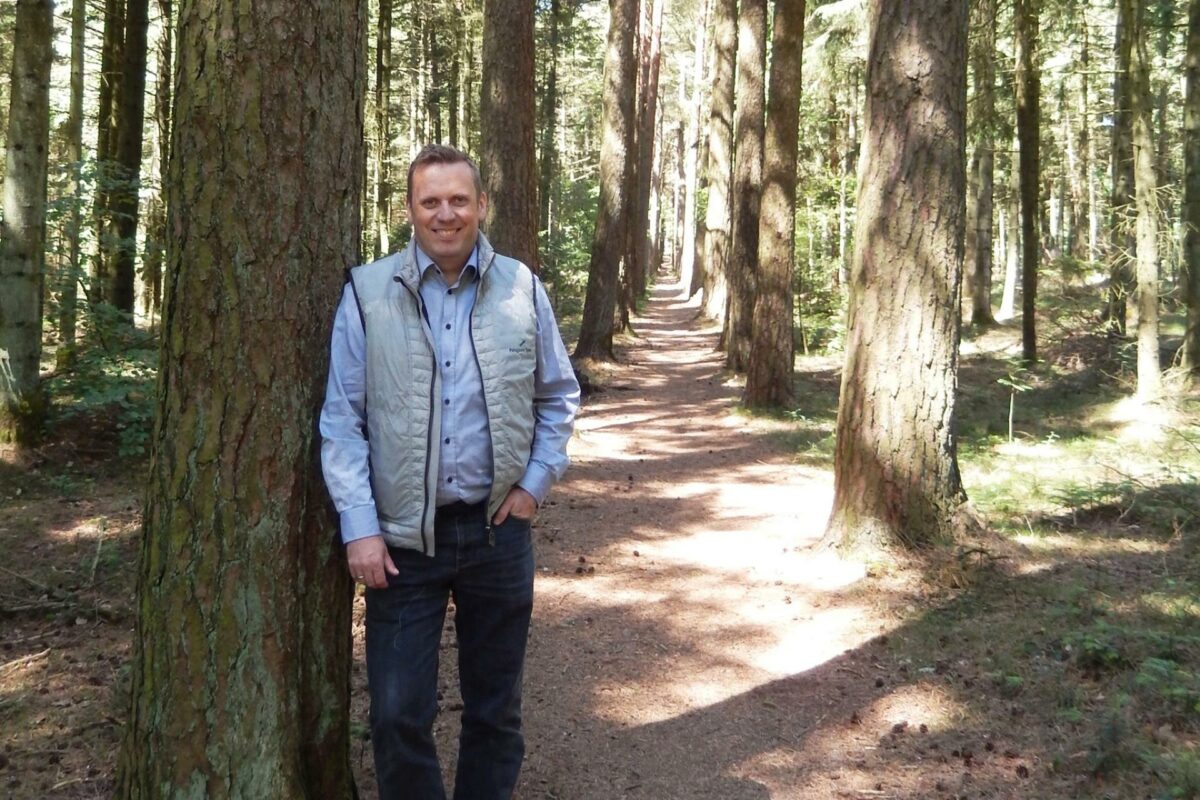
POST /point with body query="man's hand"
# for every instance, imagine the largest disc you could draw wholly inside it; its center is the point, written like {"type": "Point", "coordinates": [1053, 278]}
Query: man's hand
{"type": "Point", "coordinates": [370, 562]}
{"type": "Point", "coordinates": [519, 503]}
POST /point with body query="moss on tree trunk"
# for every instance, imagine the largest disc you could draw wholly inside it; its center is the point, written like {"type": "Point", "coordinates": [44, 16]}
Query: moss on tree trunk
{"type": "Point", "coordinates": [241, 670]}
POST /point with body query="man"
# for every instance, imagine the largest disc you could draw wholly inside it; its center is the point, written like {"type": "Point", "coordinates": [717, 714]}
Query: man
{"type": "Point", "coordinates": [447, 413]}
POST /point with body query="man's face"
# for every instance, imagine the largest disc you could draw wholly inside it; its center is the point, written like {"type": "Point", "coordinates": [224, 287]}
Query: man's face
{"type": "Point", "coordinates": [445, 212]}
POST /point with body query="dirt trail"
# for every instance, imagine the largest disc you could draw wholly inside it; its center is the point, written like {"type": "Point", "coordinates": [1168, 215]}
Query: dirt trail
{"type": "Point", "coordinates": [680, 601]}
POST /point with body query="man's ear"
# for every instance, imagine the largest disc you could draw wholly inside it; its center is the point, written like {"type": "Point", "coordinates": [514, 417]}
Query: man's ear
{"type": "Point", "coordinates": [483, 204]}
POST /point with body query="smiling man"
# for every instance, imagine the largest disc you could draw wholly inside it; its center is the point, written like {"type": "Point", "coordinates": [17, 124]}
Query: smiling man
{"type": "Point", "coordinates": [447, 413]}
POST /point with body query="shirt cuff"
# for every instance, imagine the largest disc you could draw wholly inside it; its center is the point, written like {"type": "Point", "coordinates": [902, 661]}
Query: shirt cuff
{"type": "Point", "coordinates": [537, 481]}
{"type": "Point", "coordinates": [359, 522]}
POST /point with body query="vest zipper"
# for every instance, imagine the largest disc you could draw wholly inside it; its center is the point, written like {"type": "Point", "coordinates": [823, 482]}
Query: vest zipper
{"type": "Point", "coordinates": [487, 510]}
{"type": "Point", "coordinates": [429, 425]}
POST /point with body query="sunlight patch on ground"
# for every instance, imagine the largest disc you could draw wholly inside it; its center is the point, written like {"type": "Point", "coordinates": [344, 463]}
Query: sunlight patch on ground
{"type": "Point", "coordinates": [918, 704]}
{"type": "Point", "coordinates": [1141, 423]}
{"type": "Point", "coordinates": [1068, 546]}
{"type": "Point", "coordinates": [81, 529]}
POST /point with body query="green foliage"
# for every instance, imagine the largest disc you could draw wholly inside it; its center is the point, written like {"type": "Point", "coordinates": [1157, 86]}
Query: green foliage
{"type": "Point", "coordinates": [1164, 503]}
{"type": "Point", "coordinates": [111, 379]}
{"type": "Point", "coordinates": [1176, 689]}
{"type": "Point", "coordinates": [1180, 773]}
{"type": "Point", "coordinates": [1098, 649]}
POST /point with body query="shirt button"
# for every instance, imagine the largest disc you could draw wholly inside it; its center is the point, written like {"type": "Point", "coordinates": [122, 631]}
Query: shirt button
{"type": "Point", "coordinates": [447, 326]}
{"type": "Point", "coordinates": [447, 363]}
{"type": "Point", "coordinates": [446, 401]}
{"type": "Point", "coordinates": [449, 291]}
{"type": "Point", "coordinates": [450, 480]}
{"type": "Point", "coordinates": [447, 440]}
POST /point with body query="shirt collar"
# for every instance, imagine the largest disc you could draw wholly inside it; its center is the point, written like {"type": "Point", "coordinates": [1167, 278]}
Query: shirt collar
{"type": "Point", "coordinates": [425, 264]}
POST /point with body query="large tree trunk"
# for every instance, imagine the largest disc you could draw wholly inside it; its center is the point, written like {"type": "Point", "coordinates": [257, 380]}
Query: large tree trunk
{"type": "Point", "coordinates": [68, 285]}
{"type": "Point", "coordinates": [718, 217]}
{"type": "Point", "coordinates": [1191, 196]}
{"type": "Point", "coordinates": [979, 212]}
{"type": "Point", "coordinates": [240, 681]}
{"type": "Point", "coordinates": [896, 471]}
{"type": "Point", "coordinates": [1121, 250]}
{"type": "Point", "coordinates": [1149, 381]}
{"type": "Point", "coordinates": [1028, 91]}
{"type": "Point", "coordinates": [612, 216]}
{"type": "Point", "coordinates": [23, 228]}
{"type": "Point", "coordinates": [508, 128]}
{"type": "Point", "coordinates": [773, 348]}
{"type": "Point", "coordinates": [747, 181]}
{"type": "Point", "coordinates": [130, 114]}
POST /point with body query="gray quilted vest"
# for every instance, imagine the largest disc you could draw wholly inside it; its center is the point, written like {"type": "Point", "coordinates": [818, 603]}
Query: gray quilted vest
{"type": "Point", "coordinates": [404, 421]}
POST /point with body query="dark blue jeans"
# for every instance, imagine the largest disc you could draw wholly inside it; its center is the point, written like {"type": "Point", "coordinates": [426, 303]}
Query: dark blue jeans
{"type": "Point", "coordinates": [490, 576]}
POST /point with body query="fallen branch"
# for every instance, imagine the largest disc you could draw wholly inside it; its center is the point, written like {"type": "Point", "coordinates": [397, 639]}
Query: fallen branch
{"type": "Point", "coordinates": [23, 659]}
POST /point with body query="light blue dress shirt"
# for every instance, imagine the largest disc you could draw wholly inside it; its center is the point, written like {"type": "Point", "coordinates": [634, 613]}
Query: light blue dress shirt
{"type": "Point", "coordinates": [465, 468]}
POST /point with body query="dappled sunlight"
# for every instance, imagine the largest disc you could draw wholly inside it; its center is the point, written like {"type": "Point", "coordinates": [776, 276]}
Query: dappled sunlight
{"type": "Point", "coordinates": [915, 705]}
{"type": "Point", "coordinates": [1068, 546]}
{"type": "Point", "coordinates": [1139, 422]}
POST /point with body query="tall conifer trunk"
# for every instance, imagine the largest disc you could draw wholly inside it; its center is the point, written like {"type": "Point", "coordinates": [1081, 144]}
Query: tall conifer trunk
{"type": "Point", "coordinates": [896, 471]}
{"type": "Point", "coordinates": [772, 348]}
{"type": "Point", "coordinates": [1191, 197]}
{"type": "Point", "coordinates": [508, 129]}
{"type": "Point", "coordinates": [979, 211]}
{"type": "Point", "coordinates": [747, 181]}
{"type": "Point", "coordinates": [23, 228]}
{"type": "Point", "coordinates": [718, 217]}
{"type": "Point", "coordinates": [1122, 242]}
{"type": "Point", "coordinates": [68, 287]}
{"type": "Point", "coordinates": [1149, 381]}
{"type": "Point", "coordinates": [612, 216]}
{"type": "Point", "coordinates": [130, 116]}
{"type": "Point", "coordinates": [240, 684]}
{"type": "Point", "coordinates": [1028, 98]}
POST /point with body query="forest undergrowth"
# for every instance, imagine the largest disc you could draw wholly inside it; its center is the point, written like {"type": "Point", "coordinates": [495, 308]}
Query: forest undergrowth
{"type": "Point", "coordinates": [1071, 668]}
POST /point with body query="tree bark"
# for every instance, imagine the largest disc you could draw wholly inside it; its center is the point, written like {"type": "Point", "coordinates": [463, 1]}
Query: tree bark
{"type": "Point", "coordinates": [23, 228]}
{"type": "Point", "coordinates": [68, 287]}
{"type": "Point", "coordinates": [896, 470]}
{"type": "Point", "coordinates": [130, 115]}
{"type": "Point", "coordinates": [687, 246]}
{"type": "Point", "coordinates": [507, 129]}
{"type": "Point", "coordinates": [718, 216]}
{"type": "Point", "coordinates": [1121, 252]}
{"type": "Point", "coordinates": [642, 225]}
{"type": "Point", "coordinates": [1149, 381]}
{"type": "Point", "coordinates": [383, 99]}
{"type": "Point", "coordinates": [240, 683]}
{"type": "Point", "coordinates": [108, 102]}
{"type": "Point", "coordinates": [1028, 91]}
{"type": "Point", "coordinates": [156, 213]}
{"type": "Point", "coordinates": [746, 192]}
{"type": "Point", "coordinates": [980, 211]}
{"type": "Point", "coordinates": [548, 168]}
{"type": "Point", "coordinates": [1191, 197]}
{"type": "Point", "coordinates": [769, 382]}
{"type": "Point", "coordinates": [612, 216]}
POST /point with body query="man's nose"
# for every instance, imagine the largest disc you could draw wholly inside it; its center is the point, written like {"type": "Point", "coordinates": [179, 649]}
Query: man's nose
{"type": "Point", "coordinates": [444, 211]}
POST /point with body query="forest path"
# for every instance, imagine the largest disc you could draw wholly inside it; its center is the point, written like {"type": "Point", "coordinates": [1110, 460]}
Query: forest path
{"type": "Point", "coordinates": [678, 592]}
